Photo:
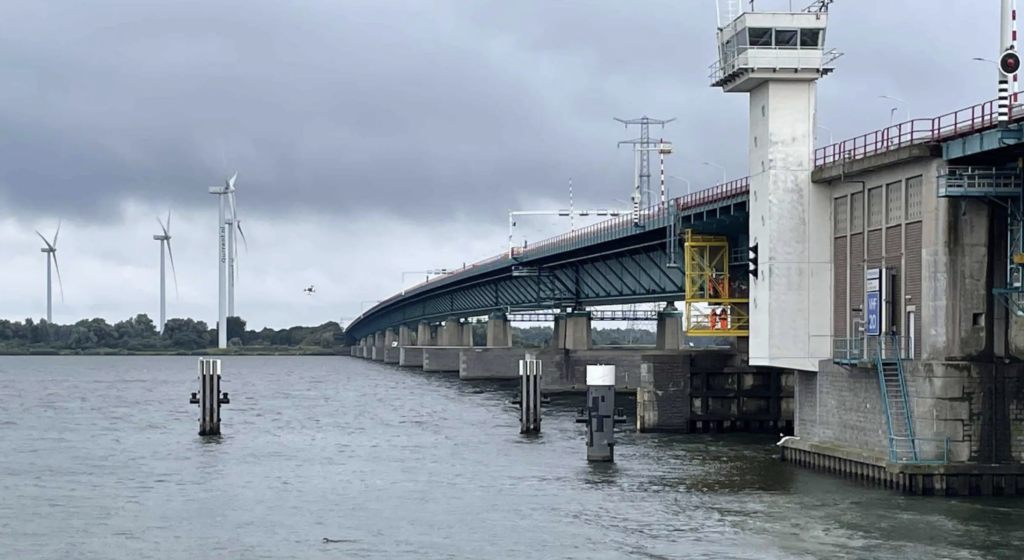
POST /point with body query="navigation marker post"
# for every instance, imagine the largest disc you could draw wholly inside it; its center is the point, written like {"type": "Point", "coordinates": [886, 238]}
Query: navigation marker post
{"type": "Point", "coordinates": [600, 414]}
{"type": "Point", "coordinates": [209, 398]}
{"type": "Point", "coordinates": [530, 397]}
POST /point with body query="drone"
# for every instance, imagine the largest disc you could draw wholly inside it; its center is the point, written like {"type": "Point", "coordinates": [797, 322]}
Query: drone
{"type": "Point", "coordinates": [310, 290]}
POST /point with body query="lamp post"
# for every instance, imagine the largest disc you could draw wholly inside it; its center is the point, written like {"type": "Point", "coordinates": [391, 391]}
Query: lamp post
{"type": "Point", "coordinates": [687, 181]}
{"type": "Point", "coordinates": [444, 271]}
{"type": "Point", "coordinates": [898, 100]}
{"type": "Point", "coordinates": [709, 164]}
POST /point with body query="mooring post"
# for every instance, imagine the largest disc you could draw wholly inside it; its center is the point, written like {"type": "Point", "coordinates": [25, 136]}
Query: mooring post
{"type": "Point", "coordinates": [530, 397]}
{"type": "Point", "coordinates": [600, 414]}
{"type": "Point", "coordinates": [209, 398]}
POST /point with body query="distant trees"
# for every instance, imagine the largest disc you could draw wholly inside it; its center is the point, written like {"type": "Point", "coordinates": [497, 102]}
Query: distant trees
{"type": "Point", "coordinates": [139, 334]}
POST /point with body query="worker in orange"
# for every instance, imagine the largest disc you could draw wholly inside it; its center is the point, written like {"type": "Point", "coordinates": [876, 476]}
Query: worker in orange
{"type": "Point", "coordinates": [723, 320]}
{"type": "Point", "coordinates": [713, 321]}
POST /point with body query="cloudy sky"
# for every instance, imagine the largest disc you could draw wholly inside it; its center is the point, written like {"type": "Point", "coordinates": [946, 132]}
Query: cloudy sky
{"type": "Point", "coordinates": [375, 137]}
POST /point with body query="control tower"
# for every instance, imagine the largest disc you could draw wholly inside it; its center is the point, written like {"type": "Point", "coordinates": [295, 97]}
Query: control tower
{"type": "Point", "coordinates": [777, 58]}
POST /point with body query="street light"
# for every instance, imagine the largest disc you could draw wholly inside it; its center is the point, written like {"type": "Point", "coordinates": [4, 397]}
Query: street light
{"type": "Point", "coordinates": [718, 166]}
{"type": "Point", "coordinates": [898, 100]}
{"type": "Point", "coordinates": [687, 181]}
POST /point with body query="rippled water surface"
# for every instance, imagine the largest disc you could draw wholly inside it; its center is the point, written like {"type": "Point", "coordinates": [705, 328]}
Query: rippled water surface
{"type": "Point", "coordinates": [99, 459]}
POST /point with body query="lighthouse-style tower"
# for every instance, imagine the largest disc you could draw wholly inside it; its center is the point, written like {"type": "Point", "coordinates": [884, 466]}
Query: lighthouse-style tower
{"type": "Point", "coordinates": [777, 58]}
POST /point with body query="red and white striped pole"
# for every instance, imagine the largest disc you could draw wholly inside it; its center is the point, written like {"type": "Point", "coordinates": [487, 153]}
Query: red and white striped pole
{"type": "Point", "coordinates": [1013, 18]}
{"type": "Point", "coordinates": [662, 154]}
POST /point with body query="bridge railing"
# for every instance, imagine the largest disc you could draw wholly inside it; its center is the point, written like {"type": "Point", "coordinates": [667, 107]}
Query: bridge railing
{"type": "Point", "coordinates": [976, 118]}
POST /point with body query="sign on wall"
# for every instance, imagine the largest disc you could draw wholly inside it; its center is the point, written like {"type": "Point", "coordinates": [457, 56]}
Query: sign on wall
{"type": "Point", "coordinates": [873, 319]}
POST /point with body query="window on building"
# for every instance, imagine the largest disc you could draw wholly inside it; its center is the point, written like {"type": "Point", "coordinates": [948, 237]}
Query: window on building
{"type": "Point", "coordinates": [841, 215]}
{"type": "Point", "coordinates": [856, 212]}
{"type": "Point", "coordinates": [894, 203]}
{"type": "Point", "coordinates": [787, 38]}
{"type": "Point", "coordinates": [875, 207]}
{"type": "Point", "coordinates": [914, 186]}
{"type": "Point", "coordinates": [759, 36]}
{"type": "Point", "coordinates": [810, 38]}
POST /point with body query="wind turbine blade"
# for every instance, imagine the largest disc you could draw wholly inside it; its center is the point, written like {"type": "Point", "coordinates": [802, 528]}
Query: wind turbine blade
{"type": "Point", "coordinates": [56, 234]}
{"type": "Point", "coordinates": [44, 239]}
{"type": "Point", "coordinates": [242, 233]}
{"type": "Point", "coordinates": [173, 272]}
{"type": "Point", "coordinates": [59, 281]}
{"type": "Point", "coordinates": [168, 230]}
{"type": "Point", "coordinates": [161, 225]}
{"type": "Point", "coordinates": [231, 181]}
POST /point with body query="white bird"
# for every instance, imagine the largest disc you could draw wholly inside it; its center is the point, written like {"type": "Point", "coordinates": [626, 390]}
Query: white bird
{"type": "Point", "coordinates": [786, 438]}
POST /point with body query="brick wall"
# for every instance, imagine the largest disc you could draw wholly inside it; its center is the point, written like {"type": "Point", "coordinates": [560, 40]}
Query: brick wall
{"type": "Point", "coordinates": [841, 406]}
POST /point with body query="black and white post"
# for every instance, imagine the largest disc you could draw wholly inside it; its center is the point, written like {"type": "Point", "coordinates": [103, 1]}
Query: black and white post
{"type": "Point", "coordinates": [530, 397]}
{"type": "Point", "coordinates": [600, 414]}
{"type": "Point", "coordinates": [209, 398]}
{"type": "Point", "coordinates": [1009, 62]}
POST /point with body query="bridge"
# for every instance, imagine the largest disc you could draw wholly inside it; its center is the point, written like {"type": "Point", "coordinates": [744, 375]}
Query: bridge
{"type": "Point", "coordinates": [870, 293]}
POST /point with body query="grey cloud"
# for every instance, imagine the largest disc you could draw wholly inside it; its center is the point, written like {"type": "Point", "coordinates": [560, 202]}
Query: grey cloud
{"type": "Point", "coordinates": [423, 109]}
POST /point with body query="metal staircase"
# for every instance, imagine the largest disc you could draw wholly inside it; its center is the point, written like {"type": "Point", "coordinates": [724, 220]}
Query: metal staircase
{"type": "Point", "coordinates": [902, 443]}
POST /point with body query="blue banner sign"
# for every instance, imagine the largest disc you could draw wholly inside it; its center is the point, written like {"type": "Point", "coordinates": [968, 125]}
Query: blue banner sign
{"type": "Point", "coordinates": [874, 317]}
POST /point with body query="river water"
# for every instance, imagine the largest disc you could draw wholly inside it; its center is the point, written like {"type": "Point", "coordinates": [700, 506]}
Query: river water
{"type": "Point", "coordinates": [100, 459]}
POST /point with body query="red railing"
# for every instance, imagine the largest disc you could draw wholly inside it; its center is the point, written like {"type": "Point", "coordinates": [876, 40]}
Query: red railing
{"type": "Point", "coordinates": [693, 200]}
{"type": "Point", "coordinates": [917, 131]}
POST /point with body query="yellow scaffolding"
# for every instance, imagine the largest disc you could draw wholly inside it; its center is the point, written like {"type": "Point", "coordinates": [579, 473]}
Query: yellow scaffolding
{"type": "Point", "coordinates": [710, 311]}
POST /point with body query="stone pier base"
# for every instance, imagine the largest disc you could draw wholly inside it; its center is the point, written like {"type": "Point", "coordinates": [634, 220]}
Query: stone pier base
{"type": "Point", "coordinates": [391, 355]}
{"type": "Point", "coordinates": [410, 356]}
{"type": "Point", "coordinates": [924, 480]}
{"type": "Point", "coordinates": [377, 354]}
{"type": "Point", "coordinates": [441, 359]}
{"type": "Point", "coordinates": [490, 363]}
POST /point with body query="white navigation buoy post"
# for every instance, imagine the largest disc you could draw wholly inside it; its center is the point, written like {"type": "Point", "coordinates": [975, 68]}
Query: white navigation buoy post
{"type": "Point", "coordinates": [600, 414]}
{"type": "Point", "coordinates": [530, 397]}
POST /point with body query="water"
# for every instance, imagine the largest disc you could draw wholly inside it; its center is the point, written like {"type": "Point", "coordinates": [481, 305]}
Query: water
{"type": "Point", "coordinates": [99, 458]}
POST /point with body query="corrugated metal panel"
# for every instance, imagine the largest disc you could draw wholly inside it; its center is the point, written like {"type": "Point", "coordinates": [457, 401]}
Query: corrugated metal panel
{"type": "Point", "coordinates": [913, 276]}
{"type": "Point", "coordinates": [840, 215]}
{"type": "Point", "coordinates": [857, 274]}
{"type": "Point", "coordinates": [894, 260]}
{"type": "Point", "coordinates": [839, 283]}
{"type": "Point", "coordinates": [874, 256]}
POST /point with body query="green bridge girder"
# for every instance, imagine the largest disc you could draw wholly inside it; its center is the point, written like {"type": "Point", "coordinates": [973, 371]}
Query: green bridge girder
{"type": "Point", "coordinates": [597, 266]}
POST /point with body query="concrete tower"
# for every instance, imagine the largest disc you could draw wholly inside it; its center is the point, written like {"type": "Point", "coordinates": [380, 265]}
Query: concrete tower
{"type": "Point", "coordinates": [777, 58]}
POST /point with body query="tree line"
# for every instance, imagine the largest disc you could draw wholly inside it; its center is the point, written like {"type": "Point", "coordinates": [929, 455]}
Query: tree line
{"type": "Point", "coordinates": [139, 334]}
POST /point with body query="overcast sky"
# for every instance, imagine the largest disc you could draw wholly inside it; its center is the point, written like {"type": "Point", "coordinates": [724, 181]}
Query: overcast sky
{"type": "Point", "coordinates": [374, 137]}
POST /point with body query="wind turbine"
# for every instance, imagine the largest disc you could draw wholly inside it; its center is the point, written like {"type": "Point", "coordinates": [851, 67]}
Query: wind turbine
{"type": "Point", "coordinates": [165, 238]}
{"type": "Point", "coordinates": [235, 225]}
{"type": "Point", "coordinates": [51, 254]}
{"type": "Point", "coordinates": [222, 265]}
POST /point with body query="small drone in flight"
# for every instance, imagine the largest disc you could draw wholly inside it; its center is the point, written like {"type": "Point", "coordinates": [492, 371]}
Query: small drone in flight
{"type": "Point", "coordinates": [310, 290]}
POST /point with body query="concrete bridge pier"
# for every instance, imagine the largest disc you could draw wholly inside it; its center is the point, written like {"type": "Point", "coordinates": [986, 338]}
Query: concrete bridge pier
{"type": "Point", "coordinates": [390, 348]}
{"type": "Point", "coordinates": [423, 334]}
{"type": "Point", "coordinates": [377, 353]}
{"type": "Point", "coordinates": [451, 333]}
{"type": "Point", "coordinates": [467, 334]}
{"type": "Point", "coordinates": [499, 330]}
{"type": "Point", "coordinates": [404, 336]}
{"type": "Point", "coordinates": [572, 331]}
{"type": "Point", "coordinates": [670, 329]}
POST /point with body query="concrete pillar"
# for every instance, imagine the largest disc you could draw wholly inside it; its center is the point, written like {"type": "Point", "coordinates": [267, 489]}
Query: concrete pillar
{"type": "Point", "coordinates": [423, 334]}
{"type": "Point", "coordinates": [389, 337]}
{"type": "Point", "coordinates": [670, 328]}
{"type": "Point", "coordinates": [404, 336]}
{"type": "Point", "coordinates": [467, 334]}
{"type": "Point", "coordinates": [558, 333]}
{"type": "Point", "coordinates": [378, 339]}
{"type": "Point", "coordinates": [499, 330]}
{"type": "Point", "coordinates": [451, 335]}
{"type": "Point", "coordinates": [577, 330]}
{"type": "Point", "coordinates": [435, 334]}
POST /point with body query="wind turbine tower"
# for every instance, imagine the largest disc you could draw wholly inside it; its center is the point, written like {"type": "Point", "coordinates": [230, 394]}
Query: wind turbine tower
{"type": "Point", "coordinates": [51, 254]}
{"type": "Point", "coordinates": [222, 225]}
{"type": "Point", "coordinates": [235, 225]}
{"type": "Point", "coordinates": [165, 238]}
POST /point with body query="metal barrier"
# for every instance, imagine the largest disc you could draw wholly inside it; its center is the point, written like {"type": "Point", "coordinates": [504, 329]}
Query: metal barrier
{"type": "Point", "coordinates": [977, 118]}
{"type": "Point", "coordinates": [930, 451]}
{"type": "Point", "coordinates": [848, 350]}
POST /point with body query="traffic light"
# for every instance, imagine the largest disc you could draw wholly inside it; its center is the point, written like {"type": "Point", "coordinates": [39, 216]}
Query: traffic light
{"type": "Point", "coordinates": [752, 258]}
{"type": "Point", "coordinates": [1009, 62]}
